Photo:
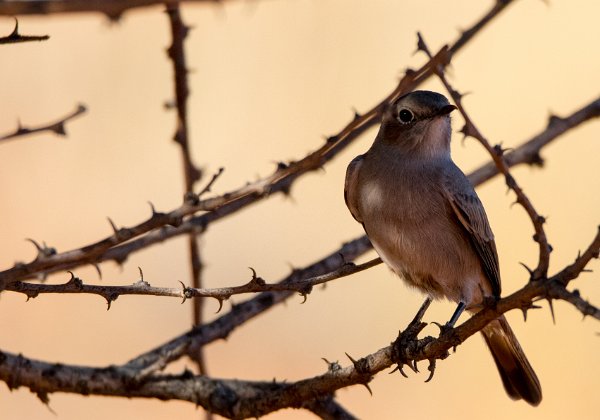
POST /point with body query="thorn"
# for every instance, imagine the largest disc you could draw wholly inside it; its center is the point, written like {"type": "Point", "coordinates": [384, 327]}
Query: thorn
{"type": "Point", "coordinates": [354, 362]}
{"type": "Point", "coordinates": [415, 367]}
{"type": "Point", "coordinates": [98, 270]}
{"type": "Point", "coordinates": [141, 273]}
{"type": "Point", "coordinates": [366, 385]}
{"type": "Point", "coordinates": [113, 226]}
{"type": "Point", "coordinates": [551, 306]}
{"type": "Point", "coordinates": [357, 116]}
{"type": "Point", "coordinates": [37, 246]}
{"type": "Point", "coordinates": [154, 213]}
{"type": "Point", "coordinates": [305, 296]}
{"type": "Point", "coordinates": [15, 32]}
{"type": "Point", "coordinates": [75, 281]}
{"type": "Point", "coordinates": [421, 46]}
{"type": "Point", "coordinates": [431, 369]}
{"type": "Point", "coordinates": [529, 270]}
{"type": "Point", "coordinates": [110, 300]}
{"type": "Point", "coordinates": [187, 293]}
{"type": "Point", "coordinates": [332, 366]}
{"type": "Point", "coordinates": [220, 305]}
{"type": "Point", "coordinates": [255, 279]}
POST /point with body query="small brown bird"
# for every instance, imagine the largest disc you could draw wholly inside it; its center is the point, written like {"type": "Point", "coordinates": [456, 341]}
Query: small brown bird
{"type": "Point", "coordinates": [428, 225]}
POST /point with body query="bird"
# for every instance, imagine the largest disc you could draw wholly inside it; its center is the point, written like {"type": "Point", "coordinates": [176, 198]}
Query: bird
{"type": "Point", "coordinates": [426, 222]}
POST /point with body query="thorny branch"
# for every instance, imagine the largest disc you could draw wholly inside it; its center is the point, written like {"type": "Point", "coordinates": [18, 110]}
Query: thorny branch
{"type": "Point", "coordinates": [220, 206]}
{"type": "Point", "coordinates": [57, 127]}
{"type": "Point", "coordinates": [141, 287]}
{"type": "Point", "coordinates": [15, 37]}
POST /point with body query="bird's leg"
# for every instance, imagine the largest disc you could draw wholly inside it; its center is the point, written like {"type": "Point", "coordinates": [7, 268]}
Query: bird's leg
{"type": "Point", "coordinates": [457, 313]}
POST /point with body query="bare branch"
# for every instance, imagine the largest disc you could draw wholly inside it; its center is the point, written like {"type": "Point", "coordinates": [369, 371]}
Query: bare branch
{"type": "Point", "coordinates": [113, 9]}
{"type": "Point", "coordinates": [57, 127]}
{"type": "Point", "coordinates": [529, 152]}
{"type": "Point", "coordinates": [15, 37]}
{"type": "Point", "coordinates": [75, 285]}
{"type": "Point", "coordinates": [157, 358]}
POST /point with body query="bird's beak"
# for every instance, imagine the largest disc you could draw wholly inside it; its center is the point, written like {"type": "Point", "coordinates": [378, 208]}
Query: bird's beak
{"type": "Point", "coordinates": [446, 110]}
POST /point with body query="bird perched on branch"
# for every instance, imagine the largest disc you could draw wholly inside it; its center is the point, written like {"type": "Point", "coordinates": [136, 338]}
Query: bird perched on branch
{"type": "Point", "coordinates": [428, 225]}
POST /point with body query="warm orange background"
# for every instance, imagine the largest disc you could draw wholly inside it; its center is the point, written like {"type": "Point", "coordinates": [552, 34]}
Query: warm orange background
{"type": "Point", "coordinates": [270, 78]}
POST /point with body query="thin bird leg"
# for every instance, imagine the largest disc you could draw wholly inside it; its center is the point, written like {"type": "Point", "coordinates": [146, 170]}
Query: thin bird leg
{"type": "Point", "coordinates": [457, 313]}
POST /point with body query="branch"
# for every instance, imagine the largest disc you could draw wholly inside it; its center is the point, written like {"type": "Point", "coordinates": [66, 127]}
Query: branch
{"type": "Point", "coordinates": [57, 127]}
{"type": "Point", "coordinates": [113, 9]}
{"type": "Point", "coordinates": [157, 358]}
{"type": "Point", "coordinates": [280, 181]}
{"type": "Point", "coordinates": [15, 37]}
{"type": "Point", "coordinates": [529, 152]}
{"type": "Point", "coordinates": [75, 285]}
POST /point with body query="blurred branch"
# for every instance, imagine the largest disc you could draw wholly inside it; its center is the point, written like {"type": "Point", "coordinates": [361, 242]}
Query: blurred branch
{"type": "Point", "coordinates": [113, 9]}
{"type": "Point", "coordinates": [57, 127]}
{"type": "Point", "coordinates": [176, 52]}
{"type": "Point", "coordinates": [15, 37]}
{"type": "Point", "coordinates": [327, 408]}
{"type": "Point", "coordinates": [220, 206]}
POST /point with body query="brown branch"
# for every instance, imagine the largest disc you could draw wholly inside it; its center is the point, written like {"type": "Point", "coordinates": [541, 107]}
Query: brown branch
{"type": "Point", "coordinates": [75, 285]}
{"type": "Point", "coordinates": [280, 181]}
{"type": "Point", "coordinates": [111, 8]}
{"type": "Point", "coordinates": [328, 409]}
{"type": "Point", "coordinates": [15, 37]}
{"type": "Point", "coordinates": [157, 358]}
{"type": "Point", "coordinates": [529, 152]}
{"type": "Point", "coordinates": [57, 127]}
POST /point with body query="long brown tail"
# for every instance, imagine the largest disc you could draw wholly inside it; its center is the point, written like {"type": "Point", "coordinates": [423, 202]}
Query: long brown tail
{"type": "Point", "coordinates": [518, 377]}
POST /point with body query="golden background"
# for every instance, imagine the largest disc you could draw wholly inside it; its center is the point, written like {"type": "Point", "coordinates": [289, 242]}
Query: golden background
{"type": "Point", "coordinates": [270, 78]}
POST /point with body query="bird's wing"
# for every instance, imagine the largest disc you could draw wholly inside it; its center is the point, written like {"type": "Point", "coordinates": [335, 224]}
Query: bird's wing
{"type": "Point", "coordinates": [470, 212]}
{"type": "Point", "coordinates": [351, 186]}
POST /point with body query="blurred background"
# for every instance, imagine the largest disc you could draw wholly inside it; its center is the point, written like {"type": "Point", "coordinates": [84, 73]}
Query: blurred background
{"type": "Point", "coordinates": [269, 79]}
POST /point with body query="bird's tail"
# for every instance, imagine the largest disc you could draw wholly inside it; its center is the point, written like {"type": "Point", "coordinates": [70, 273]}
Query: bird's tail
{"type": "Point", "coordinates": [518, 377]}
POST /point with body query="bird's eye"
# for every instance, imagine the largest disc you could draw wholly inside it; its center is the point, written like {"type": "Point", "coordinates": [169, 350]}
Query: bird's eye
{"type": "Point", "coordinates": [405, 116]}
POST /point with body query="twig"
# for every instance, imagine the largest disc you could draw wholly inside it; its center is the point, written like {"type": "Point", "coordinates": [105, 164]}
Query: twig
{"type": "Point", "coordinates": [75, 285]}
{"type": "Point", "coordinates": [111, 8]}
{"type": "Point", "coordinates": [15, 37]}
{"type": "Point", "coordinates": [57, 127]}
{"type": "Point", "coordinates": [157, 358]}
{"type": "Point", "coordinates": [529, 152]}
